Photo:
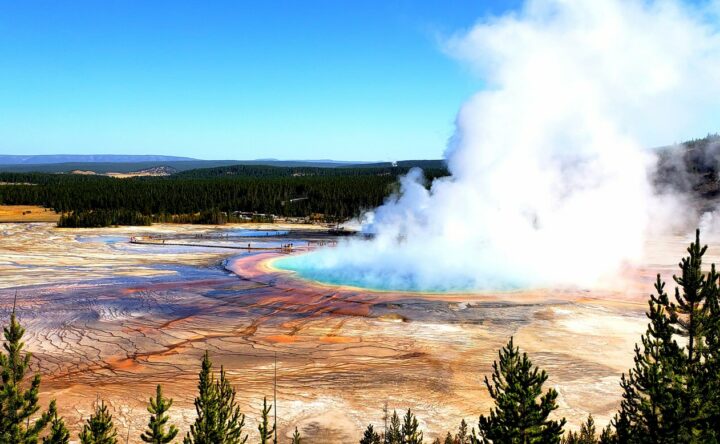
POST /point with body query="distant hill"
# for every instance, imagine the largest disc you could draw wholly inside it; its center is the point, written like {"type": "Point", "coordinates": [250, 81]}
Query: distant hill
{"type": "Point", "coordinates": [113, 167]}
{"type": "Point", "coordinates": [84, 158]}
{"type": "Point", "coordinates": [692, 167]}
{"type": "Point", "coordinates": [25, 164]}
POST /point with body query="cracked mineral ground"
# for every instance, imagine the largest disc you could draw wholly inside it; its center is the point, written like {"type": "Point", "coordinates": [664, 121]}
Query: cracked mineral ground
{"type": "Point", "coordinates": [106, 317]}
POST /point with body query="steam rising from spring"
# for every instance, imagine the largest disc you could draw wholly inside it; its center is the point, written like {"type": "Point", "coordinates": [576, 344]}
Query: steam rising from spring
{"type": "Point", "coordinates": [549, 181]}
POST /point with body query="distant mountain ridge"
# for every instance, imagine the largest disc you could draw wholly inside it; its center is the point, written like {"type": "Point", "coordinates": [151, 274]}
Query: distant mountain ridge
{"type": "Point", "coordinates": [43, 159]}
{"type": "Point", "coordinates": [100, 165]}
{"type": "Point", "coordinates": [105, 163]}
{"type": "Point", "coordinates": [112, 167]}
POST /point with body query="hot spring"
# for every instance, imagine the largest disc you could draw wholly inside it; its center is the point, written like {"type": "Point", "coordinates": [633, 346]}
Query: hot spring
{"type": "Point", "coordinates": [320, 266]}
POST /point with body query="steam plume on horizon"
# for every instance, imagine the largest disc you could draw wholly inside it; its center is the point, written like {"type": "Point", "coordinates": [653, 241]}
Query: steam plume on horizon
{"type": "Point", "coordinates": [549, 178]}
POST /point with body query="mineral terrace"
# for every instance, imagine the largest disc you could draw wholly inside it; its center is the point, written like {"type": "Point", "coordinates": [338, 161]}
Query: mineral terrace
{"type": "Point", "coordinates": [106, 317]}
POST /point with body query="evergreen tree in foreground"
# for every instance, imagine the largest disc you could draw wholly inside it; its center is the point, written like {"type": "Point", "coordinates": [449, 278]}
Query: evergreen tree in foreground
{"type": "Point", "coordinates": [712, 366]}
{"type": "Point", "coordinates": [296, 439]}
{"type": "Point", "coordinates": [230, 421]}
{"type": "Point", "coordinates": [99, 428]}
{"type": "Point", "coordinates": [410, 429]}
{"type": "Point", "coordinates": [607, 436]}
{"type": "Point", "coordinates": [58, 433]}
{"type": "Point", "coordinates": [691, 316]}
{"type": "Point", "coordinates": [370, 436]}
{"type": "Point", "coordinates": [18, 401]}
{"type": "Point", "coordinates": [670, 395]}
{"type": "Point", "coordinates": [157, 433]}
{"type": "Point", "coordinates": [462, 436]}
{"type": "Point", "coordinates": [219, 420]}
{"type": "Point", "coordinates": [649, 410]}
{"type": "Point", "coordinates": [521, 410]}
{"type": "Point", "coordinates": [394, 432]}
{"type": "Point", "coordinates": [266, 432]}
{"type": "Point", "coordinates": [587, 434]}
{"type": "Point", "coordinates": [203, 430]}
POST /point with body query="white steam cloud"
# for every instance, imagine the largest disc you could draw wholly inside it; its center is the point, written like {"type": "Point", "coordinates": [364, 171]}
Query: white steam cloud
{"type": "Point", "coordinates": [550, 175]}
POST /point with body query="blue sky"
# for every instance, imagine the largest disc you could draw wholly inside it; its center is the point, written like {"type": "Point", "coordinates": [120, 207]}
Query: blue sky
{"type": "Point", "coordinates": [340, 79]}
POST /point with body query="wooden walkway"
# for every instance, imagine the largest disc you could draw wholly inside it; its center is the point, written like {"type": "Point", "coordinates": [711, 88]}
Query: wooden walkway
{"type": "Point", "coordinates": [287, 248]}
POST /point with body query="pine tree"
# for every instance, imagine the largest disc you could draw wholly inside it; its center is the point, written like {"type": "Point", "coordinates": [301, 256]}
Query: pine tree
{"type": "Point", "coordinates": [668, 394]}
{"type": "Point", "coordinates": [156, 432]}
{"type": "Point", "coordinates": [99, 428]}
{"type": "Point", "coordinates": [203, 431]}
{"type": "Point", "coordinates": [691, 317]}
{"type": "Point", "coordinates": [219, 420]}
{"type": "Point", "coordinates": [619, 430]}
{"type": "Point", "coordinates": [394, 433]}
{"type": "Point", "coordinates": [587, 434]}
{"type": "Point", "coordinates": [231, 421]}
{"type": "Point", "coordinates": [711, 381]}
{"type": "Point", "coordinates": [384, 435]}
{"type": "Point", "coordinates": [449, 439]}
{"type": "Point", "coordinates": [570, 438]}
{"type": "Point", "coordinates": [370, 436]}
{"type": "Point", "coordinates": [266, 432]}
{"type": "Point", "coordinates": [410, 429]}
{"type": "Point", "coordinates": [462, 436]}
{"type": "Point", "coordinates": [518, 417]}
{"type": "Point", "coordinates": [58, 433]}
{"type": "Point", "coordinates": [607, 436]}
{"type": "Point", "coordinates": [18, 402]}
{"type": "Point", "coordinates": [296, 439]}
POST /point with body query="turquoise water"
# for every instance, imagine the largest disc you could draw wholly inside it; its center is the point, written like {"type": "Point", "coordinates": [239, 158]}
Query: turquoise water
{"type": "Point", "coordinates": [389, 279]}
{"type": "Point", "coordinates": [103, 239]}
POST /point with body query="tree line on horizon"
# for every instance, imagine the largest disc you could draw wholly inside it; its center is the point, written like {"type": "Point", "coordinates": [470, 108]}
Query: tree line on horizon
{"type": "Point", "coordinates": [337, 194]}
{"type": "Point", "coordinates": [670, 395]}
{"type": "Point", "coordinates": [155, 196]}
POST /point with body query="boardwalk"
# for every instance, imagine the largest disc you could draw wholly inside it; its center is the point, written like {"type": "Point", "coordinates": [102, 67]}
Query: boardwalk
{"type": "Point", "coordinates": [282, 241]}
{"type": "Point", "coordinates": [285, 248]}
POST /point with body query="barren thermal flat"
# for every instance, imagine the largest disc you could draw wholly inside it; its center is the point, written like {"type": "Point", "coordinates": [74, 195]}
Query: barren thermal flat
{"type": "Point", "coordinates": [110, 318]}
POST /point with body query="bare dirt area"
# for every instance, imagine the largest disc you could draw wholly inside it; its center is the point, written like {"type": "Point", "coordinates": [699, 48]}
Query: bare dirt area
{"type": "Point", "coordinates": [27, 213]}
{"type": "Point", "coordinates": [110, 318]}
